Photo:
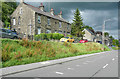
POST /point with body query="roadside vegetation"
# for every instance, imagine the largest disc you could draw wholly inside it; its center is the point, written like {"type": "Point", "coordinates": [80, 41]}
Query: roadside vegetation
{"type": "Point", "coordinates": [19, 52]}
{"type": "Point", "coordinates": [116, 48]}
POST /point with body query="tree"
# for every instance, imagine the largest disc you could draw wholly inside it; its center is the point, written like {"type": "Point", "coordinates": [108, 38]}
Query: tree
{"type": "Point", "coordinates": [106, 34]}
{"type": "Point", "coordinates": [7, 10]}
{"type": "Point", "coordinates": [111, 37]}
{"type": "Point", "coordinates": [115, 42]}
{"type": "Point", "coordinates": [77, 25]}
{"type": "Point", "coordinates": [88, 27]}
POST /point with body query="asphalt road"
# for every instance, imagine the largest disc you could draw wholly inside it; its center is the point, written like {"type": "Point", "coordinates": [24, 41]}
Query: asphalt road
{"type": "Point", "coordinates": [101, 65]}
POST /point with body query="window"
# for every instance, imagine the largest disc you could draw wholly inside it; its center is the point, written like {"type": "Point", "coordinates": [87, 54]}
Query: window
{"type": "Point", "coordinates": [14, 21]}
{"type": "Point", "coordinates": [21, 10]}
{"type": "Point", "coordinates": [55, 22]}
{"type": "Point", "coordinates": [48, 21]}
{"type": "Point", "coordinates": [60, 25]}
{"type": "Point", "coordinates": [19, 20]}
{"type": "Point", "coordinates": [39, 19]}
{"type": "Point", "coordinates": [60, 32]}
{"type": "Point", "coordinates": [68, 33]}
{"type": "Point", "coordinates": [68, 26]}
{"type": "Point", "coordinates": [55, 31]}
{"type": "Point", "coordinates": [48, 31]}
{"type": "Point", "coordinates": [39, 30]}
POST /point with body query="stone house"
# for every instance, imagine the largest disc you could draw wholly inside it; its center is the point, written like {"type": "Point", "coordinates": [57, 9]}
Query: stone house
{"type": "Point", "coordinates": [28, 21]}
{"type": "Point", "coordinates": [89, 35]}
{"type": "Point", "coordinates": [98, 36]}
{"type": "Point", "coordinates": [107, 40]}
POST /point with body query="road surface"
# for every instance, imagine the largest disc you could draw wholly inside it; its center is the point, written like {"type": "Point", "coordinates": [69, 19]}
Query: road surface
{"type": "Point", "coordinates": [101, 65]}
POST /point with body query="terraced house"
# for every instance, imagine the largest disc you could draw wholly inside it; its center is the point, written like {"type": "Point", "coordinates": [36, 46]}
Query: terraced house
{"type": "Point", "coordinates": [28, 20]}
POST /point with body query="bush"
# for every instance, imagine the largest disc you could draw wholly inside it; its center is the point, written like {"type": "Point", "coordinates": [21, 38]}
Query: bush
{"type": "Point", "coordinates": [70, 36]}
{"type": "Point", "coordinates": [49, 36]}
{"type": "Point", "coordinates": [77, 39]}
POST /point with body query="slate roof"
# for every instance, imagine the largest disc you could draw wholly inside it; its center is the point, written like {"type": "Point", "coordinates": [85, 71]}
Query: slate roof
{"type": "Point", "coordinates": [37, 10]}
{"type": "Point", "coordinates": [89, 31]}
{"type": "Point", "coordinates": [98, 32]}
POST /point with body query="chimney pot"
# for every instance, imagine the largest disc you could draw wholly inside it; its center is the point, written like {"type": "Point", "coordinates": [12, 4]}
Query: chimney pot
{"type": "Point", "coordinates": [41, 7]}
{"type": "Point", "coordinates": [21, 1]}
{"type": "Point", "coordinates": [60, 14]}
{"type": "Point", "coordinates": [52, 11]}
{"type": "Point", "coordinates": [41, 4]}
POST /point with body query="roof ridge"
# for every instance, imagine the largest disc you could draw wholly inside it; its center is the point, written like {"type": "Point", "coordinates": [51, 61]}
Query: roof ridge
{"type": "Point", "coordinates": [55, 16]}
{"type": "Point", "coordinates": [30, 5]}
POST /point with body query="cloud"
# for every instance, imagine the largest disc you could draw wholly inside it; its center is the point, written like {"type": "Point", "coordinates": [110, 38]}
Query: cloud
{"type": "Point", "coordinates": [93, 13]}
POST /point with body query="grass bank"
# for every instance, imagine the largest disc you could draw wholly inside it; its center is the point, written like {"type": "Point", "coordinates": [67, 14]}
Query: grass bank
{"type": "Point", "coordinates": [15, 52]}
{"type": "Point", "coordinates": [116, 48]}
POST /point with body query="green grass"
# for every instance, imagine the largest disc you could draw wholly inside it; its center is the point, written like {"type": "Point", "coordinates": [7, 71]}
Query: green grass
{"type": "Point", "coordinates": [19, 52]}
{"type": "Point", "coordinates": [115, 48]}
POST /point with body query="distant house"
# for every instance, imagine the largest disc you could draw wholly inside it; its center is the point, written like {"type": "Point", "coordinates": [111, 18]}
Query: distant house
{"type": "Point", "coordinates": [98, 37]}
{"type": "Point", "coordinates": [28, 20]}
{"type": "Point", "coordinates": [89, 34]}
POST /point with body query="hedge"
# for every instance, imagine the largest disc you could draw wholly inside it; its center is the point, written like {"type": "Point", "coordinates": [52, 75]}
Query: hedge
{"type": "Point", "coordinates": [48, 36]}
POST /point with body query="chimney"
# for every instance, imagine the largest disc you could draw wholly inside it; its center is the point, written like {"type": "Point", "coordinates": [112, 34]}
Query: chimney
{"type": "Point", "coordinates": [21, 1]}
{"type": "Point", "coordinates": [60, 14]}
{"type": "Point", "coordinates": [52, 11]}
{"type": "Point", "coordinates": [41, 7]}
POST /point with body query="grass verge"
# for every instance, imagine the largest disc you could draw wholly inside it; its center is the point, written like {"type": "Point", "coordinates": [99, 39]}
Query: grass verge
{"type": "Point", "coordinates": [116, 48]}
{"type": "Point", "coordinates": [19, 52]}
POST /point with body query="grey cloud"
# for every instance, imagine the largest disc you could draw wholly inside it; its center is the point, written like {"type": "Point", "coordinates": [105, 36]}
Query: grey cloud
{"type": "Point", "coordinates": [93, 13]}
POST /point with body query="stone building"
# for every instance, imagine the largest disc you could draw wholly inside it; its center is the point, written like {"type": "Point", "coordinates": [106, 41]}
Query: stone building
{"type": "Point", "coordinates": [28, 20]}
{"type": "Point", "coordinates": [107, 40]}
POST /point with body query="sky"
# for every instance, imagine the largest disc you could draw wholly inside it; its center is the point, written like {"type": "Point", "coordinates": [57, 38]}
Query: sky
{"type": "Point", "coordinates": [93, 13]}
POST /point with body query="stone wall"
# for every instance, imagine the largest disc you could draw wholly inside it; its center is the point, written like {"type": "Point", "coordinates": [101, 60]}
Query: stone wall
{"type": "Point", "coordinates": [54, 25]}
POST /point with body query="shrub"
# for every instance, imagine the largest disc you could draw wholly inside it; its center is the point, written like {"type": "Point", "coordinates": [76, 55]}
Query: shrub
{"type": "Point", "coordinates": [67, 44]}
{"type": "Point", "coordinates": [70, 36]}
{"type": "Point", "coordinates": [6, 53]}
{"type": "Point", "coordinates": [49, 36]}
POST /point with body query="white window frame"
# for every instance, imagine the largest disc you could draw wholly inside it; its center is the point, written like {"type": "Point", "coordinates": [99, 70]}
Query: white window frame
{"type": "Point", "coordinates": [48, 21]}
{"type": "Point", "coordinates": [60, 24]}
{"type": "Point", "coordinates": [14, 21]}
{"type": "Point", "coordinates": [48, 31]}
{"type": "Point", "coordinates": [39, 19]}
{"type": "Point", "coordinates": [21, 10]}
{"type": "Point", "coordinates": [39, 30]}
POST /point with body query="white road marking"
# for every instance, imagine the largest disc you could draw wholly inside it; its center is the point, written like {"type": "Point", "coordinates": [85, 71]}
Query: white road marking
{"type": "Point", "coordinates": [45, 62]}
{"type": "Point", "coordinates": [60, 73]}
{"type": "Point", "coordinates": [105, 66]}
{"type": "Point", "coordinates": [113, 59]}
{"type": "Point", "coordinates": [85, 63]}
{"type": "Point", "coordinates": [77, 65]}
{"type": "Point", "coordinates": [69, 68]}
{"type": "Point", "coordinates": [89, 61]}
